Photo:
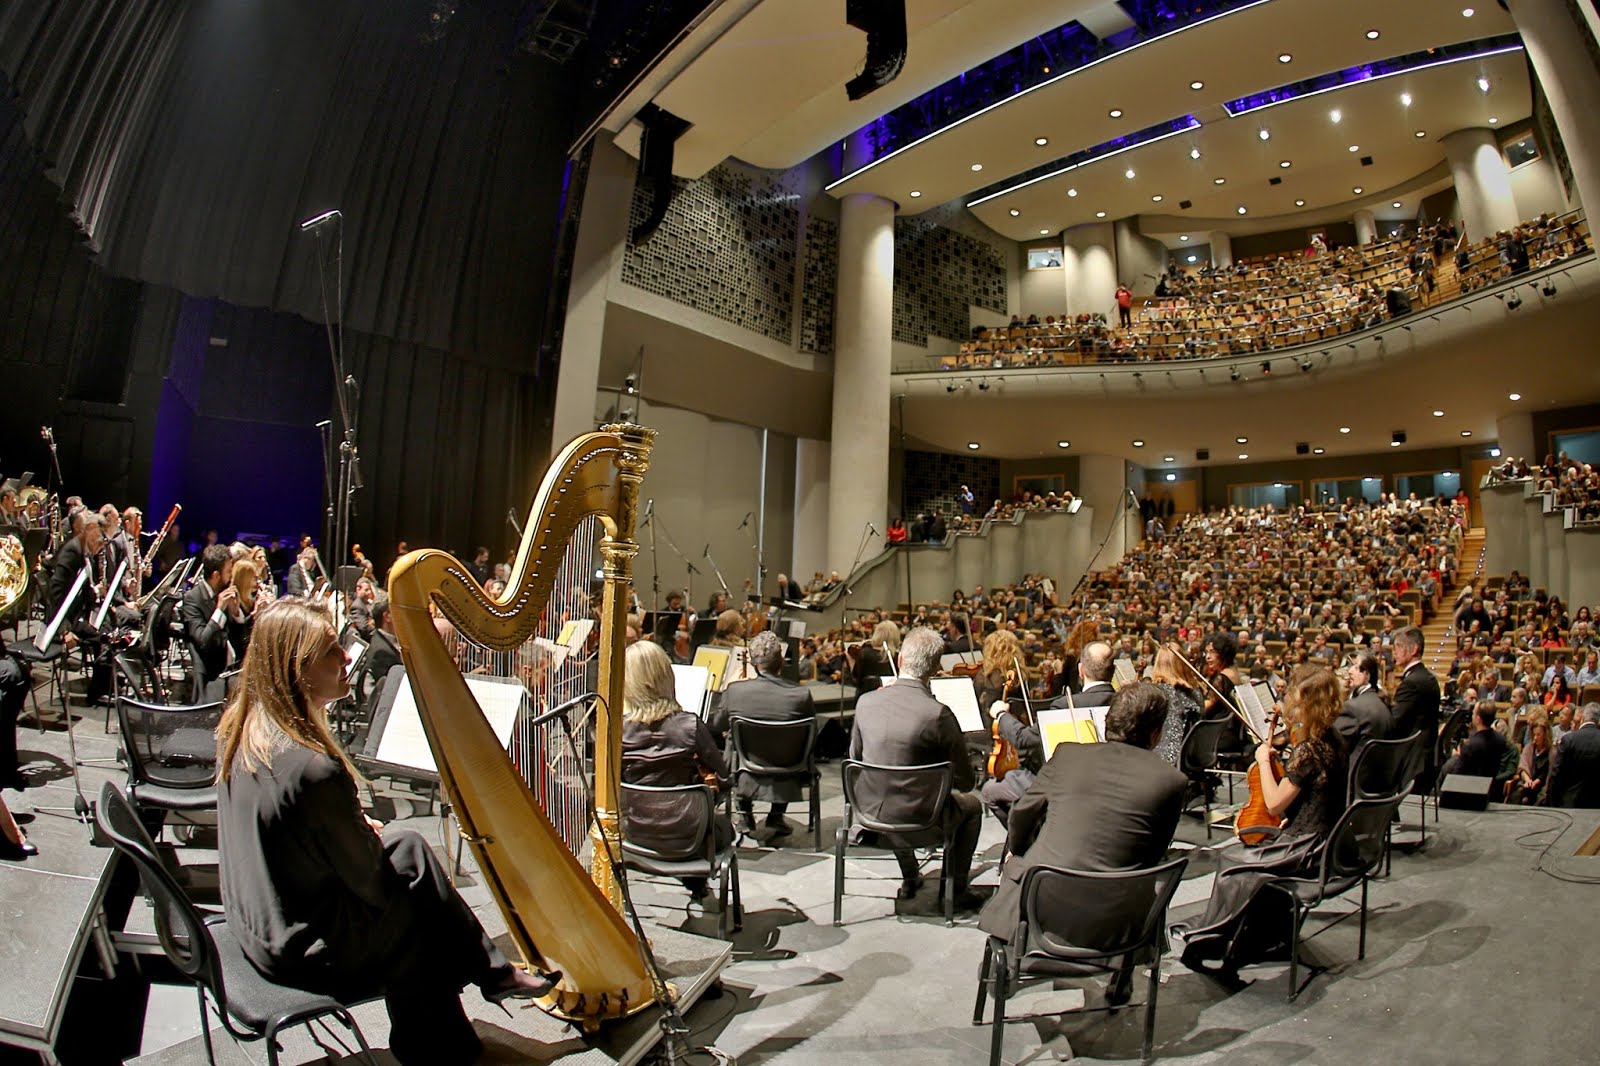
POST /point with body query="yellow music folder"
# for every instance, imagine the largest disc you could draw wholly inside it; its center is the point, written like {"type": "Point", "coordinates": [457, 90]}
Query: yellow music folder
{"type": "Point", "coordinates": [1066, 725]}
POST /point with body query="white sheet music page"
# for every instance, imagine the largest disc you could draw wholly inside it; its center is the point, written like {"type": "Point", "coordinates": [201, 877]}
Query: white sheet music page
{"type": "Point", "coordinates": [405, 744]}
{"type": "Point", "coordinates": [958, 694]}
{"type": "Point", "coordinates": [691, 683]}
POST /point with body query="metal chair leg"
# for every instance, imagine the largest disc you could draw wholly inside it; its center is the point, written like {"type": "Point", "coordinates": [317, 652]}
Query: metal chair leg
{"type": "Point", "coordinates": [205, 1025]}
{"type": "Point", "coordinates": [838, 872]}
{"type": "Point", "coordinates": [1362, 952]}
{"type": "Point", "coordinates": [1205, 795]}
{"type": "Point", "coordinates": [1294, 953]}
{"type": "Point", "coordinates": [816, 814]}
{"type": "Point", "coordinates": [983, 981]}
{"type": "Point", "coordinates": [738, 901]}
{"type": "Point", "coordinates": [997, 1036]}
{"type": "Point", "coordinates": [1150, 1009]}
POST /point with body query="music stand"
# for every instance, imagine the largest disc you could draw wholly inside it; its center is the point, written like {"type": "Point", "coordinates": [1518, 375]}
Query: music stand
{"type": "Point", "coordinates": [45, 649]}
{"type": "Point", "coordinates": [704, 630]}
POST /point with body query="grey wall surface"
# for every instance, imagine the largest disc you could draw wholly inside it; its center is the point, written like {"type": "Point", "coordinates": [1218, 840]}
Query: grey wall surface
{"type": "Point", "coordinates": [1505, 534]}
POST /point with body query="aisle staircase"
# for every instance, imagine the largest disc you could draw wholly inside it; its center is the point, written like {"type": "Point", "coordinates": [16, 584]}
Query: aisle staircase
{"type": "Point", "coordinates": [1439, 638]}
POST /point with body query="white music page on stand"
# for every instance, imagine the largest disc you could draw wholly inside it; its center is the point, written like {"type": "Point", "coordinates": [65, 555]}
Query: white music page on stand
{"type": "Point", "coordinates": [405, 744]}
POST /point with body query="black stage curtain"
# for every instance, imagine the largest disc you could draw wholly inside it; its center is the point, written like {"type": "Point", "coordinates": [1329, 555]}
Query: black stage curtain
{"type": "Point", "coordinates": [180, 142]}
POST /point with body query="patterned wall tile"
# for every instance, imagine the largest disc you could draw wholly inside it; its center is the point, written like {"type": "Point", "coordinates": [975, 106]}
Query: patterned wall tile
{"type": "Point", "coordinates": [933, 479]}
{"type": "Point", "coordinates": [938, 274]}
{"type": "Point", "coordinates": [817, 289]}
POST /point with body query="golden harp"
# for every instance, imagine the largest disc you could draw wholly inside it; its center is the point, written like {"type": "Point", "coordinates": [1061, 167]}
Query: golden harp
{"type": "Point", "coordinates": [526, 814]}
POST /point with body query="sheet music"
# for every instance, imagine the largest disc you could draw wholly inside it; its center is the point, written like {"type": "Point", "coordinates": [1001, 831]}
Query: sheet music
{"type": "Point", "coordinates": [715, 661]}
{"type": "Point", "coordinates": [111, 591]}
{"type": "Point", "coordinates": [47, 636]}
{"type": "Point", "coordinates": [1249, 701]}
{"type": "Point", "coordinates": [404, 743]}
{"type": "Point", "coordinates": [576, 633]}
{"type": "Point", "coordinates": [1122, 673]}
{"type": "Point", "coordinates": [961, 696]}
{"type": "Point", "coordinates": [557, 652]}
{"type": "Point", "coordinates": [1069, 725]}
{"type": "Point", "coordinates": [740, 668]}
{"type": "Point", "coordinates": [356, 649]}
{"type": "Point", "coordinates": [691, 684]}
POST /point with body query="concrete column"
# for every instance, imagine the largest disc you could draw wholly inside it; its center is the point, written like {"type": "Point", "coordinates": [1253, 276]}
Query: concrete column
{"type": "Point", "coordinates": [1366, 226]}
{"type": "Point", "coordinates": [811, 483]}
{"type": "Point", "coordinates": [1559, 48]}
{"type": "Point", "coordinates": [1483, 182]}
{"type": "Point", "coordinates": [1221, 249]}
{"type": "Point", "coordinates": [1089, 256]}
{"type": "Point", "coordinates": [1103, 484]}
{"type": "Point", "coordinates": [1514, 433]}
{"type": "Point", "coordinates": [858, 461]}
{"type": "Point", "coordinates": [602, 238]}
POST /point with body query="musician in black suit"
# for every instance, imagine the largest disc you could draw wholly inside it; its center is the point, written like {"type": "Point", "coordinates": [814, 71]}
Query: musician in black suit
{"type": "Point", "coordinates": [1416, 700]}
{"type": "Point", "coordinates": [1094, 672]}
{"type": "Point", "coordinates": [383, 652]}
{"type": "Point", "coordinates": [1111, 806]}
{"type": "Point", "coordinates": [767, 697]}
{"type": "Point", "coordinates": [86, 548]}
{"type": "Point", "coordinates": [303, 574]}
{"type": "Point", "coordinates": [1575, 765]}
{"type": "Point", "coordinates": [1365, 715]}
{"type": "Point", "coordinates": [903, 725]}
{"type": "Point", "coordinates": [213, 622]}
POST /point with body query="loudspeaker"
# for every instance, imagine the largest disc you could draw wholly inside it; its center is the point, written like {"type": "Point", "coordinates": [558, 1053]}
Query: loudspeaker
{"type": "Point", "coordinates": [1302, 448]}
{"type": "Point", "coordinates": [1398, 436]}
{"type": "Point", "coordinates": [1184, 205]}
{"type": "Point", "coordinates": [1274, 181]}
{"type": "Point", "coordinates": [1202, 454]}
{"type": "Point", "coordinates": [1460, 792]}
{"type": "Point", "coordinates": [884, 23]}
{"type": "Point", "coordinates": [1366, 160]}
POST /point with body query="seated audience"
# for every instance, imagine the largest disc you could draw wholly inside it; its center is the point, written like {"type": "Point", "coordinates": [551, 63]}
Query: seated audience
{"type": "Point", "coordinates": [1533, 769]}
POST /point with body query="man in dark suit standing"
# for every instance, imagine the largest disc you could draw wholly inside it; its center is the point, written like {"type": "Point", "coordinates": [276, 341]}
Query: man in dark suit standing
{"type": "Point", "coordinates": [213, 622]}
{"type": "Point", "coordinates": [1416, 701]}
{"type": "Point", "coordinates": [903, 725]}
{"type": "Point", "coordinates": [767, 697]}
{"type": "Point", "coordinates": [1575, 765]}
{"type": "Point", "coordinates": [1112, 806]}
{"type": "Point", "coordinates": [1365, 716]}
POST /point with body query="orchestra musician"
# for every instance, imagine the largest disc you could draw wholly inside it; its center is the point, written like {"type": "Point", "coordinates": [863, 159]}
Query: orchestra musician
{"type": "Point", "coordinates": [10, 511]}
{"type": "Point", "coordinates": [730, 630]}
{"type": "Point", "coordinates": [15, 683]}
{"type": "Point", "coordinates": [318, 896]}
{"type": "Point", "coordinates": [83, 549]}
{"type": "Point", "coordinates": [126, 546]}
{"type": "Point", "coordinates": [302, 577]}
{"type": "Point", "coordinates": [214, 622]}
{"type": "Point", "coordinates": [767, 697]}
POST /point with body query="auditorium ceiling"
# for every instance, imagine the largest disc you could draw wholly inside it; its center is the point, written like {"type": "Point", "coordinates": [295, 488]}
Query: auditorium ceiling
{"type": "Point", "coordinates": [790, 64]}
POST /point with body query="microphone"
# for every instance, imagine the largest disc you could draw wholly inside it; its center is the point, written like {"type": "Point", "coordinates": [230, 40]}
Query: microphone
{"type": "Point", "coordinates": [746, 521]}
{"type": "Point", "coordinates": [560, 710]}
{"type": "Point", "coordinates": [649, 506]}
{"type": "Point", "coordinates": [707, 553]}
{"type": "Point", "coordinates": [318, 221]}
{"type": "Point", "coordinates": [872, 529]}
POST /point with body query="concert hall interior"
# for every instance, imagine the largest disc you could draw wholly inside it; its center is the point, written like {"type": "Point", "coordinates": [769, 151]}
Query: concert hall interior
{"type": "Point", "coordinates": [1144, 457]}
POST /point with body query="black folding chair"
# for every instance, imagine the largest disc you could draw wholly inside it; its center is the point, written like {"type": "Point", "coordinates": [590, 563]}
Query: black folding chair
{"type": "Point", "coordinates": [903, 803]}
{"type": "Point", "coordinates": [205, 951]}
{"type": "Point", "coordinates": [1080, 923]}
{"type": "Point", "coordinates": [1346, 859]}
{"type": "Point", "coordinates": [1198, 757]}
{"type": "Point", "coordinates": [1380, 768]}
{"type": "Point", "coordinates": [780, 751]}
{"type": "Point", "coordinates": [670, 831]}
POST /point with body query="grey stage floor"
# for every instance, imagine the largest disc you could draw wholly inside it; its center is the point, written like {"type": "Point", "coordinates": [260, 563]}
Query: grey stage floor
{"type": "Point", "coordinates": [1473, 956]}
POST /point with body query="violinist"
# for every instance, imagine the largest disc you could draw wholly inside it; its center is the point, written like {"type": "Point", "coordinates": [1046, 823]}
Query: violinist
{"type": "Point", "coordinates": [1000, 678]}
{"type": "Point", "coordinates": [1243, 925]}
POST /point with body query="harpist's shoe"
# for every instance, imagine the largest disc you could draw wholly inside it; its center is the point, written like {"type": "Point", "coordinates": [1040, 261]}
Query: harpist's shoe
{"type": "Point", "coordinates": [24, 850]}
{"type": "Point", "coordinates": [520, 985]}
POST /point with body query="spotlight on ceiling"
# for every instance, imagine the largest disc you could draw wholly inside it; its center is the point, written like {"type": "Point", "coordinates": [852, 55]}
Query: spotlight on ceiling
{"type": "Point", "coordinates": [1305, 366]}
{"type": "Point", "coordinates": [950, 387]}
{"type": "Point", "coordinates": [983, 386]}
{"type": "Point", "coordinates": [1548, 288]}
{"type": "Point", "coordinates": [974, 445]}
{"type": "Point", "coordinates": [1514, 302]}
{"type": "Point", "coordinates": [1233, 374]}
{"type": "Point", "coordinates": [1266, 366]}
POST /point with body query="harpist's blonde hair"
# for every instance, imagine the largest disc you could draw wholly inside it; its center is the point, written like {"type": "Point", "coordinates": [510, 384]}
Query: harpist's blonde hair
{"type": "Point", "coordinates": [648, 695]}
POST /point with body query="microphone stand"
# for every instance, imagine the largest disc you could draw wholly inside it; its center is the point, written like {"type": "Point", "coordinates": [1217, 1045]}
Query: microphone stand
{"type": "Point", "coordinates": [511, 516]}
{"type": "Point", "coordinates": [849, 586]}
{"type": "Point", "coordinates": [655, 567]}
{"type": "Point", "coordinates": [688, 587]}
{"type": "Point", "coordinates": [717, 571]}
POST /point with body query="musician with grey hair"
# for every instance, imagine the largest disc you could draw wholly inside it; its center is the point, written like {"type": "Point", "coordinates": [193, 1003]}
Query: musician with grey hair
{"type": "Point", "coordinates": [902, 724]}
{"type": "Point", "coordinates": [767, 697]}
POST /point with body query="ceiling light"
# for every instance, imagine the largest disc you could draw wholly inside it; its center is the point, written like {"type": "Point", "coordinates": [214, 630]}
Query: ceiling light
{"type": "Point", "coordinates": [1372, 35]}
{"type": "Point", "coordinates": [1336, 115]}
{"type": "Point", "coordinates": [1438, 414]}
{"type": "Point", "coordinates": [974, 445]}
{"type": "Point", "coordinates": [1183, 236]}
{"type": "Point", "coordinates": [1285, 164]}
{"type": "Point", "coordinates": [1244, 455]}
{"type": "Point", "coordinates": [1405, 99]}
{"type": "Point", "coordinates": [1194, 258]}
{"type": "Point", "coordinates": [1172, 477]}
{"type": "Point", "coordinates": [1241, 440]}
{"type": "Point", "coordinates": [1072, 192]}
{"type": "Point", "coordinates": [1299, 203]}
{"type": "Point", "coordinates": [1241, 209]}
{"type": "Point", "coordinates": [915, 193]}
{"type": "Point", "coordinates": [1015, 212]}
{"type": "Point", "coordinates": [1197, 85]}
{"type": "Point", "coordinates": [1492, 121]}
{"type": "Point", "coordinates": [1357, 190]}
{"type": "Point", "coordinates": [1344, 429]}
{"type": "Point", "coordinates": [1099, 214]}
{"type": "Point", "coordinates": [1265, 135]}
{"type": "Point", "coordinates": [1041, 141]}
{"type": "Point", "coordinates": [1128, 173]}
{"type": "Point", "coordinates": [1138, 444]}
{"type": "Point", "coordinates": [1063, 444]}
{"type": "Point", "coordinates": [1194, 153]}
{"type": "Point", "coordinates": [1169, 458]}
{"type": "Point", "coordinates": [1219, 181]}
{"type": "Point", "coordinates": [1284, 57]}
{"type": "Point", "coordinates": [1466, 433]}
{"type": "Point", "coordinates": [1483, 83]}
{"type": "Point", "coordinates": [1394, 444]}
{"type": "Point", "coordinates": [1044, 233]}
{"type": "Point", "coordinates": [1467, 12]}
{"type": "Point", "coordinates": [1515, 396]}
{"type": "Point", "coordinates": [1156, 198]}
{"type": "Point", "coordinates": [1318, 451]}
{"type": "Point", "coordinates": [1395, 204]}
{"type": "Point", "coordinates": [1116, 112]}
{"type": "Point", "coordinates": [977, 167]}
{"type": "Point", "coordinates": [1355, 148]}
{"type": "Point", "coordinates": [1421, 134]}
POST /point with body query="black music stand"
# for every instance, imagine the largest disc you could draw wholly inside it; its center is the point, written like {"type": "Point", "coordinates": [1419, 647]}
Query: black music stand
{"type": "Point", "coordinates": [704, 630]}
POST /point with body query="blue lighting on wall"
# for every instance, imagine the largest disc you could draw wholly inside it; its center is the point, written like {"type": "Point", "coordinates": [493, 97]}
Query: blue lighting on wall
{"type": "Point", "coordinates": [1383, 68]}
{"type": "Point", "coordinates": [1054, 168]}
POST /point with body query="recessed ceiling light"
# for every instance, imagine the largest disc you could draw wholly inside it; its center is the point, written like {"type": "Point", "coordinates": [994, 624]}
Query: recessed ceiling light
{"type": "Point", "coordinates": [974, 445]}
{"type": "Point", "coordinates": [1395, 204]}
{"type": "Point", "coordinates": [1172, 477]}
{"type": "Point", "coordinates": [1394, 444]}
{"type": "Point", "coordinates": [1138, 444]}
{"type": "Point", "coordinates": [1358, 190]}
{"type": "Point", "coordinates": [915, 193]}
{"type": "Point", "coordinates": [1219, 181]}
{"type": "Point", "coordinates": [1299, 203]}
{"type": "Point", "coordinates": [1284, 57]}
{"type": "Point", "coordinates": [1372, 35]}
{"type": "Point", "coordinates": [1483, 84]}
{"type": "Point", "coordinates": [1241, 440]}
{"type": "Point", "coordinates": [1197, 85]}
{"type": "Point", "coordinates": [1183, 236]}
{"type": "Point", "coordinates": [977, 167]}
{"type": "Point", "coordinates": [1194, 153]}
{"type": "Point", "coordinates": [1466, 433]}
{"type": "Point", "coordinates": [1467, 12]}
{"type": "Point", "coordinates": [1044, 233]}
{"type": "Point", "coordinates": [1063, 444]}
{"type": "Point", "coordinates": [1128, 173]}
{"type": "Point", "coordinates": [1015, 212]}
{"type": "Point", "coordinates": [1516, 396]}
{"type": "Point", "coordinates": [1355, 148]}
{"type": "Point", "coordinates": [1244, 455]}
{"type": "Point", "coordinates": [1116, 112]}
{"type": "Point", "coordinates": [1194, 258]}
{"type": "Point", "coordinates": [1336, 115]}
{"type": "Point", "coordinates": [1169, 458]}
{"type": "Point", "coordinates": [1041, 141]}
{"type": "Point", "coordinates": [1099, 214]}
{"type": "Point", "coordinates": [1493, 121]}
{"type": "Point", "coordinates": [1241, 209]}
{"type": "Point", "coordinates": [1438, 414]}
{"type": "Point", "coordinates": [1318, 451]}
{"type": "Point", "coordinates": [1072, 192]}
{"type": "Point", "coordinates": [1344, 429]}
{"type": "Point", "coordinates": [1285, 164]}
{"type": "Point", "coordinates": [1265, 135]}
{"type": "Point", "coordinates": [1421, 134]}
{"type": "Point", "coordinates": [1405, 99]}
{"type": "Point", "coordinates": [1156, 198]}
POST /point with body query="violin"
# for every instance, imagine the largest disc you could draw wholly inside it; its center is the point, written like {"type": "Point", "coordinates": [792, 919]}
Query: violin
{"type": "Point", "coordinates": [1255, 813]}
{"type": "Point", "coordinates": [1003, 756]}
